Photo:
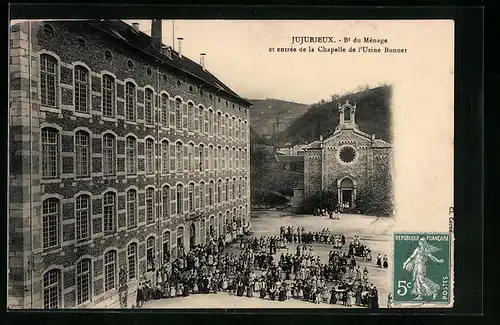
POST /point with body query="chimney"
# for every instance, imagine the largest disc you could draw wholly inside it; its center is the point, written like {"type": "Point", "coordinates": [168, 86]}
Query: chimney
{"type": "Point", "coordinates": [320, 138]}
{"type": "Point", "coordinates": [135, 26]}
{"type": "Point", "coordinates": [180, 48]}
{"type": "Point", "coordinates": [156, 38]}
{"type": "Point", "coordinates": [167, 51]}
{"type": "Point", "coordinates": [373, 137]}
{"type": "Point", "coordinates": [202, 60]}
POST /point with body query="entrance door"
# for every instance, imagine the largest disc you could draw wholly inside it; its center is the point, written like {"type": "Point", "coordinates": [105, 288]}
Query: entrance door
{"type": "Point", "coordinates": [347, 198]}
{"type": "Point", "coordinates": [192, 236]}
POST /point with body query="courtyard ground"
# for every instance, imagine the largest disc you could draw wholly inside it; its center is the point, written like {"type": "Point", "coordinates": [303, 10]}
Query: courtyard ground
{"type": "Point", "coordinates": [373, 232]}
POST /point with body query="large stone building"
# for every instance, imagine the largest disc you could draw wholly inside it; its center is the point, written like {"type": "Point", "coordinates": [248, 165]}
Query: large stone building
{"type": "Point", "coordinates": [348, 162]}
{"type": "Point", "coordinates": [123, 153]}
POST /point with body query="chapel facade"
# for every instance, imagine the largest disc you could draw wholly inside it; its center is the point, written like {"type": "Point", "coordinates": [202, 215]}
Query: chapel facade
{"type": "Point", "coordinates": [349, 162]}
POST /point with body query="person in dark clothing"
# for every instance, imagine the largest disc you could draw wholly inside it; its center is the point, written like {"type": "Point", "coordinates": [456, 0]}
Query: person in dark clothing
{"type": "Point", "coordinates": [386, 262]}
{"type": "Point", "coordinates": [333, 297]}
{"type": "Point", "coordinates": [140, 296]}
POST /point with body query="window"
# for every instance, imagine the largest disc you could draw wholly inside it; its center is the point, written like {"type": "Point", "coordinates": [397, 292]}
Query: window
{"type": "Point", "coordinates": [149, 156]}
{"type": "Point", "coordinates": [238, 129]}
{"type": "Point", "coordinates": [184, 116]}
{"type": "Point", "coordinates": [132, 208]}
{"type": "Point", "coordinates": [233, 127]}
{"type": "Point", "coordinates": [179, 198]}
{"type": "Point", "coordinates": [211, 157]}
{"type": "Point", "coordinates": [132, 261]}
{"type": "Point", "coordinates": [219, 190]}
{"type": "Point", "coordinates": [130, 101]}
{"type": "Point", "coordinates": [219, 122]}
{"type": "Point", "coordinates": [50, 213]}
{"type": "Point", "coordinates": [191, 197]}
{"type": "Point", "coordinates": [164, 77]}
{"type": "Point", "coordinates": [108, 96]}
{"type": "Point", "coordinates": [48, 80]}
{"type": "Point", "coordinates": [82, 159]}
{"type": "Point", "coordinates": [191, 157]}
{"type": "Point", "coordinates": [227, 190]}
{"type": "Point", "coordinates": [202, 195]}
{"type": "Point", "coordinates": [210, 122]}
{"type": "Point", "coordinates": [81, 89]}
{"type": "Point", "coordinates": [50, 153]}
{"type": "Point", "coordinates": [83, 281]}
{"type": "Point", "coordinates": [108, 154]}
{"type": "Point", "coordinates": [150, 217]}
{"type": "Point", "coordinates": [166, 247]}
{"type": "Point", "coordinates": [178, 157]}
{"type": "Point", "coordinates": [131, 155]}
{"type": "Point", "coordinates": [235, 158]}
{"type": "Point", "coordinates": [219, 158]}
{"type": "Point", "coordinates": [108, 56]}
{"type": "Point", "coordinates": [109, 213]}
{"type": "Point", "coordinates": [197, 118]}
{"type": "Point", "coordinates": [201, 156]}
{"type": "Point", "coordinates": [165, 156]}
{"type": "Point", "coordinates": [150, 254]}
{"type": "Point", "coordinates": [149, 72]}
{"type": "Point", "coordinates": [52, 289]}
{"type": "Point", "coordinates": [239, 188]}
{"type": "Point", "coordinates": [165, 197]}
{"type": "Point", "coordinates": [109, 270]}
{"type": "Point", "coordinates": [148, 106]}
{"type": "Point", "coordinates": [211, 193]}
{"type": "Point", "coordinates": [190, 116]}
{"type": "Point", "coordinates": [82, 210]}
{"type": "Point", "coordinates": [205, 120]}
{"type": "Point", "coordinates": [347, 115]}
{"type": "Point", "coordinates": [233, 189]}
{"type": "Point", "coordinates": [130, 64]}
{"type": "Point", "coordinates": [164, 110]}
{"type": "Point", "coordinates": [178, 114]}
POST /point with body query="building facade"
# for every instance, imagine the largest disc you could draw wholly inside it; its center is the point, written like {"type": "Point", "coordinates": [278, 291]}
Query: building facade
{"type": "Point", "coordinates": [349, 163]}
{"type": "Point", "coordinates": [123, 152]}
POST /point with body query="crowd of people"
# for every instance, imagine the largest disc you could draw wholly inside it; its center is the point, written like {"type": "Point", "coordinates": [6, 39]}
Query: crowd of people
{"type": "Point", "coordinates": [210, 268]}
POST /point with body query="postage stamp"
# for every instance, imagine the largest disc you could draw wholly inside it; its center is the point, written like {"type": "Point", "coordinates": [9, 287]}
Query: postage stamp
{"type": "Point", "coordinates": [422, 272]}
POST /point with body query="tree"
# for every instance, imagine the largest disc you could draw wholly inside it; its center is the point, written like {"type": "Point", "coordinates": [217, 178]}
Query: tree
{"type": "Point", "coordinates": [321, 200]}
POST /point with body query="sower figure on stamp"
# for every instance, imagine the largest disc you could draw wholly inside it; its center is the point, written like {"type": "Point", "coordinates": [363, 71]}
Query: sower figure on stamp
{"type": "Point", "coordinates": [416, 264]}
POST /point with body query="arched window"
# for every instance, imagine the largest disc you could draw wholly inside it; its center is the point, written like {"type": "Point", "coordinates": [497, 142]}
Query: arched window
{"type": "Point", "coordinates": [178, 157]}
{"type": "Point", "coordinates": [219, 157]}
{"type": "Point", "coordinates": [108, 96]}
{"type": "Point", "coordinates": [82, 210]}
{"type": "Point", "coordinates": [130, 100]}
{"type": "Point", "coordinates": [245, 131]}
{"type": "Point", "coordinates": [81, 89]}
{"type": "Point", "coordinates": [245, 187]}
{"type": "Point", "coordinates": [132, 261]}
{"type": "Point", "coordinates": [191, 196]}
{"type": "Point", "coordinates": [210, 122]}
{"type": "Point", "coordinates": [179, 198]}
{"type": "Point", "coordinates": [228, 223]}
{"type": "Point", "coordinates": [48, 80]}
{"type": "Point", "coordinates": [245, 164]}
{"type": "Point", "coordinates": [239, 188]}
{"type": "Point", "coordinates": [148, 107]}
{"type": "Point", "coordinates": [180, 238]}
{"type": "Point", "coordinates": [223, 158]}
{"type": "Point", "coordinates": [52, 289]}
{"type": "Point", "coordinates": [165, 156]}
{"type": "Point", "coordinates": [150, 254]}
{"type": "Point", "coordinates": [347, 114]}
{"type": "Point", "coordinates": [165, 197]}
{"type": "Point", "coordinates": [108, 154]}
{"type": "Point", "coordinates": [233, 189]}
{"type": "Point", "coordinates": [165, 103]}
{"type": "Point", "coordinates": [83, 281]}
{"type": "Point", "coordinates": [221, 224]}
{"type": "Point", "coordinates": [201, 157]}
{"type": "Point", "coordinates": [166, 246]}
{"type": "Point", "coordinates": [219, 191]}
{"type": "Point", "coordinates": [240, 158]}
{"type": "Point", "coordinates": [238, 123]}
{"type": "Point", "coordinates": [203, 120]}
{"type": "Point", "coordinates": [50, 153]}
{"type": "Point", "coordinates": [132, 208]}
{"type": "Point", "coordinates": [178, 114]}
{"type": "Point", "coordinates": [235, 158]}
{"type": "Point", "coordinates": [202, 194]}
{"type": "Point", "coordinates": [50, 215]}
{"type": "Point", "coordinates": [211, 157]}
{"type": "Point", "coordinates": [109, 212]}
{"type": "Point", "coordinates": [82, 150]}
{"type": "Point", "coordinates": [219, 124]}
{"type": "Point", "coordinates": [227, 190]}
{"type": "Point", "coordinates": [211, 193]}
{"type": "Point", "coordinates": [150, 214]}
{"type": "Point", "coordinates": [190, 116]}
{"type": "Point", "coordinates": [110, 271]}
{"type": "Point", "coordinates": [197, 117]}
{"type": "Point", "coordinates": [191, 157]}
{"type": "Point", "coordinates": [149, 150]}
{"type": "Point", "coordinates": [131, 154]}
{"type": "Point", "coordinates": [233, 127]}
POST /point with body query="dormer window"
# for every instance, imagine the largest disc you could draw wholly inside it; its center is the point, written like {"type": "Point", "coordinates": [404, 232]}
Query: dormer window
{"type": "Point", "coordinates": [48, 30]}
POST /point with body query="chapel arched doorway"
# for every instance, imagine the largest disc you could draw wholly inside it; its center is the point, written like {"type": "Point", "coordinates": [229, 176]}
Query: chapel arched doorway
{"type": "Point", "coordinates": [346, 193]}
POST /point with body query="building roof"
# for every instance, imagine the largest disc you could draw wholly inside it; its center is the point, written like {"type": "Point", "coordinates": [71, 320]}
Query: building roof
{"type": "Point", "coordinates": [287, 158]}
{"type": "Point", "coordinates": [379, 143]}
{"type": "Point", "coordinates": [125, 33]}
{"type": "Point", "coordinates": [313, 145]}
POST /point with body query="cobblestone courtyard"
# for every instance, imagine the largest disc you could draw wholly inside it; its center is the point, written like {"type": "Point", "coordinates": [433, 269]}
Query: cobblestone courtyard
{"type": "Point", "coordinates": [372, 231]}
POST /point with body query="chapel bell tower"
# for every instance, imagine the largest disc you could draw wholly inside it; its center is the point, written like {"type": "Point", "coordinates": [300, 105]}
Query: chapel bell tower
{"type": "Point", "coordinates": [347, 114]}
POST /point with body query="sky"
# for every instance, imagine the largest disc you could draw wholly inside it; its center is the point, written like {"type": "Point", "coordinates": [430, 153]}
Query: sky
{"type": "Point", "coordinates": [237, 52]}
